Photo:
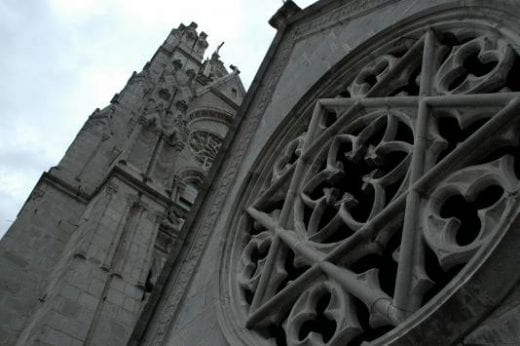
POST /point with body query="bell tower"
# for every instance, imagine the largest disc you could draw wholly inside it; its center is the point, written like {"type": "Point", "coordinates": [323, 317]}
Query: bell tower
{"type": "Point", "coordinates": [86, 249]}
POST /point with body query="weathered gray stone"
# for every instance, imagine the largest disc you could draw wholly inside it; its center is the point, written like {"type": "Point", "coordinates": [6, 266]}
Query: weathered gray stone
{"type": "Point", "coordinates": [368, 188]}
{"type": "Point", "coordinates": [318, 55]}
{"type": "Point", "coordinates": [92, 238]}
{"type": "Point", "coordinates": [70, 308]}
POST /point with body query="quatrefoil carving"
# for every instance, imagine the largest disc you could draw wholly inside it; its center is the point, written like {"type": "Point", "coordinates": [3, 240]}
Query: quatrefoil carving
{"type": "Point", "coordinates": [372, 74]}
{"type": "Point", "coordinates": [322, 315]}
{"type": "Point", "coordinates": [479, 65]}
{"type": "Point", "coordinates": [481, 198]}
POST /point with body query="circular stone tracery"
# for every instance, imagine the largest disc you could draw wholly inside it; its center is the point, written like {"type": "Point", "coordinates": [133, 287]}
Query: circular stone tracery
{"type": "Point", "coordinates": [381, 202]}
{"type": "Point", "coordinates": [204, 146]}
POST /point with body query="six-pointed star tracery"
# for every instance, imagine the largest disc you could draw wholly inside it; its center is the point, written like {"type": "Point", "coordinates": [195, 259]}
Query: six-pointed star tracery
{"type": "Point", "coordinates": [388, 194]}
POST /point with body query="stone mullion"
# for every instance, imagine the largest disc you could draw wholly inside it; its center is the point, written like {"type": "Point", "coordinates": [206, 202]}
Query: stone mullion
{"type": "Point", "coordinates": [411, 255]}
{"type": "Point", "coordinates": [365, 288]}
{"type": "Point", "coordinates": [469, 149]}
{"type": "Point", "coordinates": [426, 81]}
{"type": "Point", "coordinates": [299, 170]}
{"type": "Point", "coordinates": [283, 300]}
{"type": "Point", "coordinates": [407, 254]}
{"type": "Point", "coordinates": [357, 103]}
{"type": "Point", "coordinates": [298, 246]}
{"type": "Point", "coordinates": [255, 209]}
{"type": "Point", "coordinates": [301, 166]}
{"type": "Point", "coordinates": [265, 220]}
{"type": "Point", "coordinates": [397, 69]}
{"type": "Point", "coordinates": [258, 298]}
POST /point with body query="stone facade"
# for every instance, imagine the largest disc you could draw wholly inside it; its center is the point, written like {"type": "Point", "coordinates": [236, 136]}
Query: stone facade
{"type": "Point", "coordinates": [370, 191]}
{"type": "Point", "coordinates": [367, 192]}
{"type": "Point", "coordinates": [87, 248]}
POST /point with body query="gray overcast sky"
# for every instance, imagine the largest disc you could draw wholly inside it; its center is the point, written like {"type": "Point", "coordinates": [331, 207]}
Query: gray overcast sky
{"type": "Point", "coordinates": [61, 59]}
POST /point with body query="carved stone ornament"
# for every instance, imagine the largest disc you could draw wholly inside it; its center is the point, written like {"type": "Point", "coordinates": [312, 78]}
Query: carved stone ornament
{"type": "Point", "coordinates": [204, 146]}
{"type": "Point", "coordinates": [367, 224]}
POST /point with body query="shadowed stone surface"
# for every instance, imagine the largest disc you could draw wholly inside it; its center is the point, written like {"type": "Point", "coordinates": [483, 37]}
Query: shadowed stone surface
{"type": "Point", "coordinates": [367, 191]}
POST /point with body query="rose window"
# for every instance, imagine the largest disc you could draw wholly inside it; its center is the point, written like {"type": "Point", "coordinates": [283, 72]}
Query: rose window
{"type": "Point", "coordinates": [366, 218]}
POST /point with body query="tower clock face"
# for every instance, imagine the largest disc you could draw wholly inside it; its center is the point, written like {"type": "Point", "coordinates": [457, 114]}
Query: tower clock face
{"type": "Point", "coordinates": [379, 218]}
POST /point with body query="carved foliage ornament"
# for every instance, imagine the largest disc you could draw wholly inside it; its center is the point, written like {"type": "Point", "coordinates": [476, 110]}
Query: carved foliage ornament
{"type": "Point", "coordinates": [401, 177]}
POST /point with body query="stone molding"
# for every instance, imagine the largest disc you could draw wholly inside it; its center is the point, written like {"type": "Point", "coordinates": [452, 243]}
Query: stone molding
{"type": "Point", "coordinates": [352, 9]}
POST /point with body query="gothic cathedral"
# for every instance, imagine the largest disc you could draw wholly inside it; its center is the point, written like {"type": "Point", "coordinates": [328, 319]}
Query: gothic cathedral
{"type": "Point", "coordinates": [365, 191]}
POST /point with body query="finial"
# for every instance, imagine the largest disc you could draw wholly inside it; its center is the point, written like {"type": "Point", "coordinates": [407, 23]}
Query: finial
{"type": "Point", "coordinates": [281, 17]}
{"type": "Point", "coordinates": [215, 54]}
{"type": "Point", "coordinates": [234, 69]}
{"type": "Point", "coordinates": [218, 48]}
